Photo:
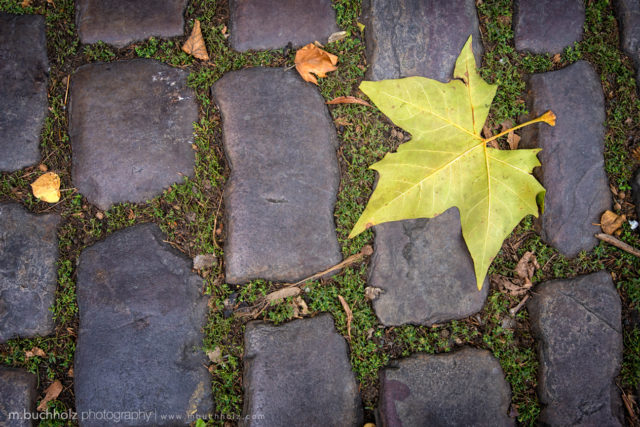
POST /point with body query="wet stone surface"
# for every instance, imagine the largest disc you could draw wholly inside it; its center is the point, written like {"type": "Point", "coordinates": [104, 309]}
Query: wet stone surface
{"type": "Point", "coordinates": [572, 156]}
{"type": "Point", "coordinates": [266, 24]}
{"type": "Point", "coordinates": [24, 73]}
{"type": "Point", "coordinates": [466, 387]}
{"type": "Point", "coordinates": [628, 12]}
{"type": "Point", "coordinates": [131, 129]}
{"type": "Point", "coordinates": [281, 145]}
{"type": "Point", "coordinates": [120, 22]}
{"type": "Point", "coordinates": [17, 394]}
{"type": "Point", "coordinates": [299, 374]}
{"type": "Point", "coordinates": [547, 26]}
{"type": "Point", "coordinates": [405, 38]}
{"type": "Point", "coordinates": [140, 333]}
{"type": "Point", "coordinates": [28, 272]}
{"type": "Point", "coordinates": [578, 326]}
{"type": "Point", "coordinates": [425, 272]}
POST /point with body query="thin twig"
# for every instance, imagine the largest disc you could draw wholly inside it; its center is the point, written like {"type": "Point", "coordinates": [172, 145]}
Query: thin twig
{"type": "Point", "coordinates": [517, 308]}
{"type": "Point", "coordinates": [215, 223]}
{"type": "Point", "coordinates": [618, 244]}
{"type": "Point", "coordinates": [66, 93]}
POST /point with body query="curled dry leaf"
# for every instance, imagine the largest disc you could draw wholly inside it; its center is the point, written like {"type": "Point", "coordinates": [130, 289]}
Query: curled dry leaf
{"type": "Point", "coordinates": [51, 393]}
{"type": "Point", "coordinates": [195, 43]}
{"type": "Point", "coordinates": [337, 36]}
{"type": "Point", "coordinates": [283, 293]}
{"type": "Point", "coordinates": [508, 286]}
{"type": "Point", "coordinates": [348, 100]}
{"type": "Point", "coordinates": [347, 310]}
{"type": "Point", "coordinates": [526, 267]}
{"type": "Point", "coordinates": [611, 222]}
{"type": "Point", "coordinates": [371, 293]}
{"type": "Point", "coordinates": [300, 307]}
{"type": "Point", "coordinates": [215, 355]}
{"type": "Point", "coordinates": [311, 59]}
{"type": "Point", "coordinates": [35, 351]}
{"type": "Point", "coordinates": [513, 139]}
{"type": "Point", "coordinates": [47, 187]}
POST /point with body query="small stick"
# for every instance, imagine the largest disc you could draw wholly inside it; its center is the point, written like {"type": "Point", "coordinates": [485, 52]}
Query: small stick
{"type": "Point", "coordinates": [66, 93]}
{"type": "Point", "coordinates": [618, 244]}
{"type": "Point", "coordinates": [517, 308]}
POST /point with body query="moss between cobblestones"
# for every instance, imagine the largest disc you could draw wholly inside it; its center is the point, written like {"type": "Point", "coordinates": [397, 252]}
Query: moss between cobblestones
{"type": "Point", "coordinates": [190, 213]}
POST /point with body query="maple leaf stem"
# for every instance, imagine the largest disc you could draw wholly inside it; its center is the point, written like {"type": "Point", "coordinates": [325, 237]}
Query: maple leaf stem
{"type": "Point", "coordinates": [548, 117]}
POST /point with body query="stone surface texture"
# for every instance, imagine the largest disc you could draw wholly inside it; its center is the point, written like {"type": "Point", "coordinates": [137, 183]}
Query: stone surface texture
{"type": "Point", "coordinates": [466, 387]}
{"type": "Point", "coordinates": [17, 394]}
{"type": "Point", "coordinates": [28, 272]}
{"type": "Point", "coordinates": [572, 156]}
{"type": "Point", "coordinates": [24, 73]}
{"type": "Point", "coordinates": [547, 26]}
{"type": "Point", "coordinates": [267, 24]}
{"type": "Point", "coordinates": [405, 38]}
{"type": "Point", "coordinates": [140, 334]}
{"type": "Point", "coordinates": [120, 22]}
{"type": "Point", "coordinates": [131, 129]}
{"type": "Point", "coordinates": [299, 374]}
{"type": "Point", "coordinates": [578, 325]}
{"type": "Point", "coordinates": [628, 12]}
{"type": "Point", "coordinates": [281, 145]}
{"type": "Point", "coordinates": [425, 271]}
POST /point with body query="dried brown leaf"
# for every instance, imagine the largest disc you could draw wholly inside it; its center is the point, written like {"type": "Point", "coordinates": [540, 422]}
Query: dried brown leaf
{"type": "Point", "coordinates": [348, 100]}
{"type": "Point", "coordinates": [300, 307]}
{"type": "Point", "coordinates": [35, 351]}
{"type": "Point", "coordinates": [513, 139]}
{"type": "Point", "coordinates": [349, 314]}
{"type": "Point", "coordinates": [311, 59]}
{"type": "Point", "coordinates": [283, 293]}
{"type": "Point", "coordinates": [371, 293]}
{"type": "Point", "coordinates": [215, 355]}
{"type": "Point", "coordinates": [611, 222]}
{"type": "Point", "coordinates": [195, 43]}
{"type": "Point", "coordinates": [51, 393]}
{"type": "Point", "coordinates": [47, 187]}
{"type": "Point", "coordinates": [526, 267]}
{"type": "Point", "coordinates": [337, 36]}
{"type": "Point", "coordinates": [508, 286]}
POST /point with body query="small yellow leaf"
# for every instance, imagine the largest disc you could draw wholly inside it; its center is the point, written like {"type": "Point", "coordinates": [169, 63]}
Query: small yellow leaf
{"type": "Point", "coordinates": [195, 43]}
{"type": "Point", "coordinates": [47, 187]}
{"type": "Point", "coordinates": [360, 26]}
{"type": "Point", "coordinates": [311, 59]}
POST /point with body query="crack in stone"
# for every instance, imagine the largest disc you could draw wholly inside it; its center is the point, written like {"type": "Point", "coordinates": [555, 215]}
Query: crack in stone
{"type": "Point", "coordinates": [588, 310]}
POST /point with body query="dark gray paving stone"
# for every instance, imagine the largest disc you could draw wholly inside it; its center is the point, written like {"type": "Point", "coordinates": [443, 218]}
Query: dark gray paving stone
{"type": "Point", "coordinates": [140, 334]}
{"type": "Point", "coordinates": [281, 145]}
{"type": "Point", "coordinates": [405, 38]}
{"type": "Point", "coordinates": [131, 129]}
{"type": "Point", "coordinates": [17, 397]}
{"type": "Point", "coordinates": [267, 24]}
{"type": "Point", "coordinates": [299, 374]}
{"type": "Point", "coordinates": [425, 271]}
{"type": "Point", "coordinates": [120, 22]}
{"type": "Point", "coordinates": [635, 191]}
{"type": "Point", "coordinates": [628, 12]}
{"type": "Point", "coordinates": [28, 272]}
{"type": "Point", "coordinates": [547, 26]}
{"type": "Point", "coordinates": [572, 156]}
{"type": "Point", "coordinates": [466, 387]}
{"type": "Point", "coordinates": [578, 326]}
{"type": "Point", "coordinates": [24, 73]}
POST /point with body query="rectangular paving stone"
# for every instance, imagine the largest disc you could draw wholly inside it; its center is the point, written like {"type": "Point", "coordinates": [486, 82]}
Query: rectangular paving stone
{"type": "Point", "coordinates": [298, 374]}
{"type": "Point", "coordinates": [422, 266]}
{"type": "Point", "coordinates": [425, 272]}
{"type": "Point", "coordinates": [28, 272]}
{"type": "Point", "coordinates": [418, 37]}
{"type": "Point", "coordinates": [281, 145]}
{"type": "Point", "coordinates": [17, 396]}
{"type": "Point", "coordinates": [24, 73]}
{"type": "Point", "coordinates": [120, 22]}
{"type": "Point", "coordinates": [578, 326]}
{"type": "Point", "coordinates": [572, 156]}
{"type": "Point", "coordinates": [266, 24]}
{"type": "Point", "coordinates": [463, 388]}
{"type": "Point", "coordinates": [140, 335]}
{"type": "Point", "coordinates": [131, 130]}
{"type": "Point", "coordinates": [628, 12]}
{"type": "Point", "coordinates": [547, 26]}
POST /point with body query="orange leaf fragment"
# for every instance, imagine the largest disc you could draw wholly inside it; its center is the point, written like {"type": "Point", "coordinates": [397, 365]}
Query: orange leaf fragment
{"type": "Point", "coordinates": [348, 100]}
{"type": "Point", "coordinates": [47, 187]}
{"type": "Point", "coordinates": [611, 223]}
{"type": "Point", "coordinates": [195, 43]}
{"type": "Point", "coordinates": [35, 351]}
{"type": "Point", "coordinates": [311, 59]}
{"type": "Point", "coordinates": [51, 393]}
